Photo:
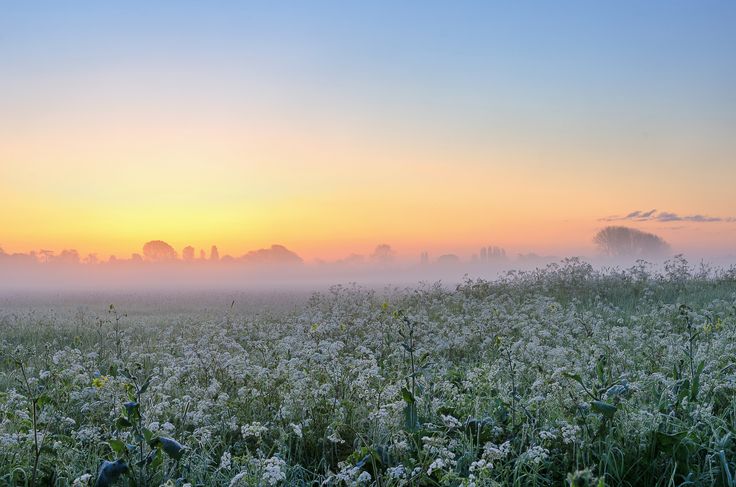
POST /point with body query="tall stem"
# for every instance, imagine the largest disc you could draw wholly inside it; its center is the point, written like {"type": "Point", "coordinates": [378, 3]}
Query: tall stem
{"type": "Point", "coordinates": [36, 449]}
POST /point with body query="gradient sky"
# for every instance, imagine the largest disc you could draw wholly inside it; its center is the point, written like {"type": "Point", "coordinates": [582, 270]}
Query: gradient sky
{"type": "Point", "coordinates": [330, 127]}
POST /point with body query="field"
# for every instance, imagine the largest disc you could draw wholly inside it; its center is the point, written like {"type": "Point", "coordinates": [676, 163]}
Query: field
{"type": "Point", "coordinates": [562, 375]}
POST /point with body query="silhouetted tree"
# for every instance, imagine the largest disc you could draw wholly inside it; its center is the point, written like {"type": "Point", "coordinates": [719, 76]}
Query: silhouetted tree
{"type": "Point", "coordinates": [617, 241]}
{"type": "Point", "coordinates": [67, 256]}
{"type": "Point", "coordinates": [277, 254]}
{"type": "Point", "coordinates": [448, 259]}
{"type": "Point", "coordinates": [214, 253]}
{"type": "Point", "coordinates": [383, 254]}
{"type": "Point", "coordinates": [158, 251]}
{"type": "Point", "coordinates": [188, 253]}
{"type": "Point", "coordinates": [46, 255]}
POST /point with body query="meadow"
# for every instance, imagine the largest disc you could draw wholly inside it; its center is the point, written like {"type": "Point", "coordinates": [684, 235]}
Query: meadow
{"type": "Point", "coordinates": [561, 376]}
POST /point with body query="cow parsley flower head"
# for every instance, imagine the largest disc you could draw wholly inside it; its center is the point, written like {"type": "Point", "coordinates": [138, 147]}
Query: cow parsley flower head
{"type": "Point", "coordinates": [297, 429]}
{"type": "Point", "coordinates": [82, 480]}
{"type": "Point", "coordinates": [335, 437]}
{"type": "Point", "coordinates": [437, 464]}
{"type": "Point", "coordinates": [450, 421]}
{"type": "Point", "coordinates": [274, 471]}
{"type": "Point", "coordinates": [253, 430]}
{"type": "Point", "coordinates": [225, 461]}
{"type": "Point", "coordinates": [535, 455]}
{"type": "Point", "coordinates": [236, 481]}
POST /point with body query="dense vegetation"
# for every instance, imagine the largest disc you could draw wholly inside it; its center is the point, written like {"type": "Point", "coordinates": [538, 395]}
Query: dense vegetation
{"type": "Point", "coordinates": [567, 374]}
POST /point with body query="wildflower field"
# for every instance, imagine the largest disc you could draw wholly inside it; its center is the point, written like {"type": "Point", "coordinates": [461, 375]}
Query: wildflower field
{"type": "Point", "coordinates": [561, 376]}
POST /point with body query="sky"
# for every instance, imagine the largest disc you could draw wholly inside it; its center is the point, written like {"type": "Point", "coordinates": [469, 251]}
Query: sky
{"type": "Point", "coordinates": [330, 127]}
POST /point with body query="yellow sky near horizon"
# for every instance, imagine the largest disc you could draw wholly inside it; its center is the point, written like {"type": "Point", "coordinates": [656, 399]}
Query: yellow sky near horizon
{"type": "Point", "coordinates": [321, 193]}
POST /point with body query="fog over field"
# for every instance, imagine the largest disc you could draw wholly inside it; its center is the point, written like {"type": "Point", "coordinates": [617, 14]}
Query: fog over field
{"type": "Point", "coordinates": [160, 267]}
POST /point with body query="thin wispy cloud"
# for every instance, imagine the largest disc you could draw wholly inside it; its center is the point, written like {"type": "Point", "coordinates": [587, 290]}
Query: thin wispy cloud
{"type": "Point", "coordinates": [667, 216]}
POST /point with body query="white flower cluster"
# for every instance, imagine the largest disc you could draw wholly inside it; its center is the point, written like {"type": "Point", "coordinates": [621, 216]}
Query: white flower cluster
{"type": "Point", "coordinates": [570, 433]}
{"type": "Point", "coordinates": [274, 471]}
{"type": "Point", "coordinates": [253, 430]}
{"type": "Point", "coordinates": [492, 452]}
{"type": "Point", "coordinates": [225, 460]}
{"type": "Point", "coordinates": [82, 480]}
{"type": "Point", "coordinates": [535, 454]}
{"type": "Point", "coordinates": [450, 421]}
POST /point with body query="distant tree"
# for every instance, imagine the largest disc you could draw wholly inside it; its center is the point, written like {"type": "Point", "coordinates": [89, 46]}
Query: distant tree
{"type": "Point", "coordinates": [67, 256]}
{"type": "Point", "coordinates": [45, 255]}
{"type": "Point", "coordinates": [495, 253]}
{"type": "Point", "coordinates": [277, 254]}
{"type": "Point", "coordinates": [214, 253]}
{"type": "Point", "coordinates": [158, 251]}
{"type": "Point", "coordinates": [202, 254]}
{"type": "Point", "coordinates": [352, 259]}
{"type": "Point", "coordinates": [447, 259]}
{"type": "Point", "coordinates": [618, 241]}
{"type": "Point", "coordinates": [188, 253]}
{"type": "Point", "coordinates": [91, 259]}
{"type": "Point", "coordinates": [383, 254]}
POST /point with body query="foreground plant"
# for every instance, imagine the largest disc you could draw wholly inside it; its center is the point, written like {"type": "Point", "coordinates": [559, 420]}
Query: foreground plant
{"type": "Point", "coordinates": [142, 452]}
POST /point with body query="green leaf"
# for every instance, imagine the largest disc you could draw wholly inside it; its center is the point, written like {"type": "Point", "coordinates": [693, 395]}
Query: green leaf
{"type": "Point", "coordinates": [147, 434]}
{"type": "Point", "coordinates": [617, 390]}
{"type": "Point", "coordinates": [170, 446]}
{"type": "Point", "coordinates": [411, 421]}
{"type": "Point", "coordinates": [42, 400]}
{"type": "Point", "coordinates": [132, 410]}
{"type": "Point", "coordinates": [407, 396]}
{"type": "Point", "coordinates": [725, 467]}
{"type": "Point", "coordinates": [669, 440]}
{"type": "Point", "coordinates": [117, 446]}
{"type": "Point", "coordinates": [122, 422]}
{"type": "Point", "coordinates": [695, 386]}
{"type": "Point", "coordinates": [575, 377]}
{"type": "Point", "coordinates": [683, 389]}
{"type": "Point", "coordinates": [109, 472]}
{"type": "Point", "coordinates": [604, 408]}
{"type": "Point", "coordinates": [155, 459]}
{"type": "Point", "coordinates": [145, 385]}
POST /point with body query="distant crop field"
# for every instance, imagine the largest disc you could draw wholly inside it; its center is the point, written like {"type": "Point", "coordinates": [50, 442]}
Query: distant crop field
{"type": "Point", "coordinates": [561, 376]}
